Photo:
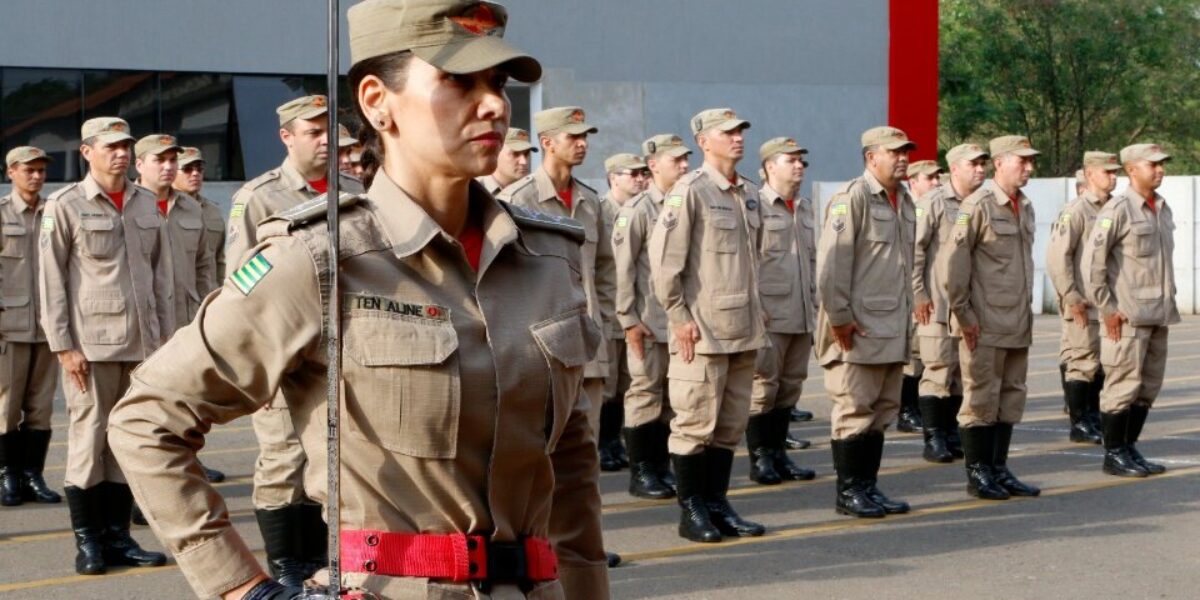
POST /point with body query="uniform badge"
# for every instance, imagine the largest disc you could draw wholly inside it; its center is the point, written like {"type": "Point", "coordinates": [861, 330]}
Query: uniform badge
{"type": "Point", "coordinates": [960, 238]}
{"type": "Point", "coordinates": [963, 218]}
{"type": "Point", "coordinates": [675, 201]}
{"type": "Point", "coordinates": [669, 220]}
{"type": "Point", "coordinates": [1065, 220]}
{"type": "Point", "coordinates": [920, 212]}
{"type": "Point", "coordinates": [840, 209]}
{"type": "Point", "coordinates": [839, 225]}
{"type": "Point", "coordinates": [237, 211]}
{"type": "Point", "coordinates": [47, 223]}
{"type": "Point", "coordinates": [247, 277]}
{"type": "Point", "coordinates": [617, 240]}
{"type": "Point", "coordinates": [622, 221]}
{"type": "Point", "coordinates": [752, 204]}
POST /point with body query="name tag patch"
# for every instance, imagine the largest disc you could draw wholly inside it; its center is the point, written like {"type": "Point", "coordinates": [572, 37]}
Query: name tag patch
{"type": "Point", "coordinates": [397, 307]}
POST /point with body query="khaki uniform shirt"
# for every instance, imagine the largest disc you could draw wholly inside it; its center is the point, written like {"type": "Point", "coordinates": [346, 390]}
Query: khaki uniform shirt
{"type": "Point", "coordinates": [191, 254]}
{"type": "Point", "coordinates": [606, 281]}
{"type": "Point", "coordinates": [19, 322]}
{"type": "Point", "coordinates": [490, 184]}
{"type": "Point", "coordinates": [460, 408]}
{"type": "Point", "coordinates": [1129, 264]}
{"type": "Point", "coordinates": [536, 192]}
{"type": "Point", "coordinates": [105, 282]}
{"type": "Point", "coordinates": [787, 263]}
{"type": "Point", "coordinates": [864, 265]}
{"type": "Point", "coordinates": [936, 212]}
{"type": "Point", "coordinates": [702, 261]}
{"type": "Point", "coordinates": [214, 226]}
{"type": "Point", "coordinates": [988, 267]}
{"type": "Point", "coordinates": [636, 302]}
{"type": "Point", "coordinates": [273, 191]}
{"type": "Point", "coordinates": [1068, 244]}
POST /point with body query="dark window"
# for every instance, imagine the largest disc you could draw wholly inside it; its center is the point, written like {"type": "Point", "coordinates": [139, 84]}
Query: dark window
{"type": "Point", "coordinates": [41, 107]}
{"type": "Point", "coordinates": [197, 108]}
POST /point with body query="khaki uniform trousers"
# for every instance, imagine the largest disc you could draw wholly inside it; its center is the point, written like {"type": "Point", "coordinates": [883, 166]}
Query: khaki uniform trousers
{"type": "Point", "coordinates": [616, 385]}
{"type": "Point", "coordinates": [1133, 367]}
{"type": "Point", "coordinates": [943, 376]}
{"type": "Point", "coordinates": [28, 378]}
{"type": "Point", "coordinates": [780, 372]}
{"type": "Point", "coordinates": [279, 470]}
{"type": "Point", "coordinates": [646, 400]}
{"type": "Point", "coordinates": [711, 400]}
{"type": "Point", "coordinates": [915, 367]}
{"type": "Point", "coordinates": [1079, 349]}
{"type": "Point", "coordinates": [993, 385]}
{"type": "Point", "coordinates": [865, 397]}
{"type": "Point", "coordinates": [593, 387]}
{"type": "Point", "coordinates": [89, 459]}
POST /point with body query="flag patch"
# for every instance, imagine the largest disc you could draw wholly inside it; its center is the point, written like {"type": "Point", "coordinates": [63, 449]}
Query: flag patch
{"type": "Point", "coordinates": [47, 223]}
{"type": "Point", "coordinates": [963, 218]}
{"type": "Point", "coordinates": [675, 201]}
{"type": "Point", "coordinates": [622, 221]}
{"type": "Point", "coordinates": [920, 212]}
{"type": "Point", "coordinates": [841, 209]}
{"type": "Point", "coordinates": [247, 277]}
{"type": "Point", "coordinates": [237, 211]}
{"type": "Point", "coordinates": [1105, 223]}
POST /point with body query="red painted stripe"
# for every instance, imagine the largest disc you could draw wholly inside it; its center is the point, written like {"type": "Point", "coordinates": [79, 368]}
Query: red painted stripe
{"type": "Point", "coordinates": [913, 72]}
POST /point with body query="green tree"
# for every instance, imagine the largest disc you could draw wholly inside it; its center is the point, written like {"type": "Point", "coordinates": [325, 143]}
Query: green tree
{"type": "Point", "coordinates": [1073, 75]}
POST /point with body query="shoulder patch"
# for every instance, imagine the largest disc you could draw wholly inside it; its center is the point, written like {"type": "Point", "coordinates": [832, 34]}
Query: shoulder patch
{"type": "Point", "coordinates": [622, 221]}
{"type": "Point", "coordinates": [247, 277]}
{"type": "Point", "coordinates": [841, 208]}
{"type": "Point", "coordinates": [920, 212]}
{"type": "Point", "coordinates": [48, 223]}
{"type": "Point", "coordinates": [1065, 219]}
{"type": "Point", "coordinates": [1106, 223]}
{"type": "Point", "coordinates": [237, 210]}
{"type": "Point", "coordinates": [539, 220]}
{"type": "Point", "coordinates": [675, 201]}
{"type": "Point", "coordinates": [963, 218]}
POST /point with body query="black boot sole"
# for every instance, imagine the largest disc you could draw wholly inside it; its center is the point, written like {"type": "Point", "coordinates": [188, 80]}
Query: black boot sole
{"type": "Point", "coordinates": [976, 493]}
{"type": "Point", "coordinates": [1124, 472]}
{"type": "Point", "coordinates": [860, 515]}
{"type": "Point", "coordinates": [713, 537]}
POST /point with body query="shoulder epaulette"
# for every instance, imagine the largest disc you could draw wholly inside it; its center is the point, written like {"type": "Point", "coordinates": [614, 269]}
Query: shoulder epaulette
{"type": "Point", "coordinates": [263, 179]}
{"type": "Point", "coordinates": [313, 210]}
{"type": "Point", "coordinates": [62, 191]}
{"type": "Point", "coordinates": [587, 187]}
{"type": "Point", "coordinates": [539, 220]}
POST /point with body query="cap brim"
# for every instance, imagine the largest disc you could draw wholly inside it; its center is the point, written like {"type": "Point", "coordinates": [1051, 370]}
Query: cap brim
{"type": "Point", "coordinates": [677, 151]}
{"type": "Point", "coordinates": [112, 138]}
{"type": "Point", "coordinates": [732, 124]}
{"type": "Point", "coordinates": [184, 163]}
{"type": "Point", "coordinates": [1159, 157]}
{"type": "Point", "coordinates": [45, 157]}
{"type": "Point", "coordinates": [972, 156]}
{"type": "Point", "coordinates": [311, 113]}
{"type": "Point", "coordinates": [346, 142]}
{"type": "Point", "coordinates": [521, 147]}
{"type": "Point", "coordinates": [575, 129]}
{"type": "Point", "coordinates": [1026, 152]}
{"type": "Point", "coordinates": [475, 54]}
{"type": "Point", "coordinates": [911, 145]}
{"type": "Point", "coordinates": [1110, 167]}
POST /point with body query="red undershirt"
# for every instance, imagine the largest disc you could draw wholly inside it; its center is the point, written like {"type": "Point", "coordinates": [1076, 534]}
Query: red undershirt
{"type": "Point", "coordinates": [1150, 203]}
{"type": "Point", "coordinates": [321, 185]}
{"type": "Point", "coordinates": [118, 200]}
{"type": "Point", "coordinates": [892, 199]}
{"type": "Point", "coordinates": [471, 238]}
{"type": "Point", "coordinates": [1015, 202]}
{"type": "Point", "coordinates": [565, 196]}
{"type": "Point", "coordinates": [162, 206]}
{"type": "Point", "coordinates": [791, 205]}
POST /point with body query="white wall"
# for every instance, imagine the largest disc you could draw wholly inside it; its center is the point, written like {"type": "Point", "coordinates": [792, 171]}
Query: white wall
{"type": "Point", "coordinates": [1048, 197]}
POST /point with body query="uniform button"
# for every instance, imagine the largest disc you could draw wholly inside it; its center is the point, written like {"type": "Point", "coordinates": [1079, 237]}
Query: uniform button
{"type": "Point", "coordinates": [372, 540]}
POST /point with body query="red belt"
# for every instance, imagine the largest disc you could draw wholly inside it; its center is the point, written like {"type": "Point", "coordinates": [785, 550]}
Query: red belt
{"type": "Point", "coordinates": [457, 557]}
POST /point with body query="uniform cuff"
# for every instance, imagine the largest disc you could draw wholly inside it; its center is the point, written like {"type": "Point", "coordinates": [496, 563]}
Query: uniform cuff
{"type": "Point", "coordinates": [679, 315]}
{"type": "Point", "coordinates": [60, 344]}
{"type": "Point", "coordinates": [1073, 298]}
{"type": "Point", "coordinates": [1108, 310]}
{"type": "Point", "coordinates": [837, 318]}
{"type": "Point", "coordinates": [920, 298]}
{"type": "Point", "coordinates": [218, 565]}
{"type": "Point", "coordinates": [584, 581]}
{"type": "Point", "coordinates": [966, 318]}
{"type": "Point", "coordinates": [628, 321]}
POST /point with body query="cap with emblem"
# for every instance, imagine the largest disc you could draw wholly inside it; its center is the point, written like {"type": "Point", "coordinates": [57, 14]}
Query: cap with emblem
{"type": "Point", "coordinates": [667, 143]}
{"type": "Point", "coordinates": [569, 119]}
{"type": "Point", "coordinates": [889, 138]}
{"type": "Point", "coordinates": [1012, 144]}
{"type": "Point", "coordinates": [345, 140]}
{"type": "Point", "coordinates": [517, 140]}
{"type": "Point", "coordinates": [723, 119]}
{"type": "Point", "coordinates": [106, 130]}
{"type": "Point", "coordinates": [190, 155]}
{"type": "Point", "coordinates": [25, 154]}
{"type": "Point", "coordinates": [928, 168]}
{"type": "Point", "coordinates": [623, 162]}
{"type": "Point", "coordinates": [456, 36]}
{"type": "Point", "coordinates": [155, 144]}
{"type": "Point", "coordinates": [1104, 160]}
{"type": "Point", "coordinates": [1150, 152]}
{"type": "Point", "coordinates": [965, 152]}
{"type": "Point", "coordinates": [306, 107]}
{"type": "Point", "coordinates": [780, 145]}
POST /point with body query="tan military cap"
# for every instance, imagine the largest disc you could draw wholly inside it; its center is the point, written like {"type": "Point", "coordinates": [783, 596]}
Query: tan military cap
{"type": "Point", "coordinates": [667, 143]}
{"type": "Point", "coordinates": [780, 145]}
{"type": "Point", "coordinates": [1104, 160]}
{"type": "Point", "coordinates": [307, 107]}
{"type": "Point", "coordinates": [965, 152]}
{"type": "Point", "coordinates": [190, 155]}
{"type": "Point", "coordinates": [345, 140]}
{"type": "Point", "coordinates": [889, 138]}
{"type": "Point", "coordinates": [156, 144]}
{"type": "Point", "coordinates": [25, 154]}
{"type": "Point", "coordinates": [1011, 144]}
{"type": "Point", "coordinates": [517, 140]}
{"type": "Point", "coordinates": [924, 167]}
{"type": "Point", "coordinates": [720, 118]}
{"type": "Point", "coordinates": [106, 130]}
{"type": "Point", "coordinates": [622, 162]}
{"type": "Point", "coordinates": [570, 119]}
{"type": "Point", "coordinates": [1150, 152]}
{"type": "Point", "coordinates": [456, 36]}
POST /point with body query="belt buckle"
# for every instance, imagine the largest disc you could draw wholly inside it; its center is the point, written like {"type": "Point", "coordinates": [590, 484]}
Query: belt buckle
{"type": "Point", "coordinates": [506, 563]}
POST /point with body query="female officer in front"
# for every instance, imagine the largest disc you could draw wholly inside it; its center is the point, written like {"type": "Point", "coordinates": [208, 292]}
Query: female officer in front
{"type": "Point", "coordinates": [465, 333]}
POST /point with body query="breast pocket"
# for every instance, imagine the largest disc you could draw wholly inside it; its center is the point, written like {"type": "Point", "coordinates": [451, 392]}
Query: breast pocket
{"type": "Point", "coordinates": [403, 388]}
{"type": "Point", "coordinates": [191, 234]}
{"type": "Point", "coordinates": [776, 236]}
{"type": "Point", "coordinates": [104, 320]}
{"type": "Point", "coordinates": [565, 340]}
{"type": "Point", "coordinates": [16, 316]}
{"type": "Point", "coordinates": [1145, 241]}
{"type": "Point", "coordinates": [722, 235]}
{"type": "Point", "coordinates": [147, 226]}
{"type": "Point", "coordinates": [101, 237]}
{"type": "Point", "coordinates": [1002, 239]}
{"type": "Point", "coordinates": [14, 241]}
{"type": "Point", "coordinates": [882, 228]}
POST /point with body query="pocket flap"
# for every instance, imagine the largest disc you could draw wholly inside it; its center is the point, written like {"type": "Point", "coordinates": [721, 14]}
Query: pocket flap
{"type": "Point", "coordinates": [387, 340]}
{"type": "Point", "coordinates": [1148, 293]}
{"type": "Point", "coordinates": [883, 213]}
{"type": "Point", "coordinates": [148, 221]}
{"type": "Point", "coordinates": [215, 225]}
{"type": "Point", "coordinates": [1004, 227]}
{"type": "Point", "coordinates": [567, 337]}
{"type": "Point", "coordinates": [775, 224]}
{"type": "Point", "coordinates": [96, 224]}
{"type": "Point", "coordinates": [724, 222]}
{"type": "Point", "coordinates": [731, 301]}
{"type": "Point", "coordinates": [190, 223]}
{"type": "Point", "coordinates": [775, 289]}
{"type": "Point", "coordinates": [14, 229]}
{"type": "Point", "coordinates": [693, 371]}
{"type": "Point", "coordinates": [102, 302]}
{"type": "Point", "coordinates": [1141, 228]}
{"type": "Point", "coordinates": [15, 301]}
{"type": "Point", "coordinates": [881, 303]}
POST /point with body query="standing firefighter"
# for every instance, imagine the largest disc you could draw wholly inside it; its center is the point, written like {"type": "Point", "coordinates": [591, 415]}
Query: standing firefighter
{"type": "Point", "coordinates": [466, 331]}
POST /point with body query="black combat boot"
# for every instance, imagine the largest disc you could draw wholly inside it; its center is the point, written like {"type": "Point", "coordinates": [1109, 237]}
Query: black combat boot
{"type": "Point", "coordinates": [87, 521]}
{"type": "Point", "coordinates": [1062, 378]}
{"type": "Point", "coordinates": [644, 481]}
{"type": "Point", "coordinates": [953, 439]}
{"type": "Point", "coordinates": [119, 547]}
{"type": "Point", "coordinates": [799, 416]}
{"type": "Point", "coordinates": [933, 417]}
{"type": "Point", "coordinates": [1117, 458]}
{"type": "Point", "coordinates": [759, 441]}
{"type": "Point", "coordinates": [36, 443]}
{"type": "Point", "coordinates": [853, 479]}
{"type": "Point", "coordinates": [662, 433]}
{"type": "Point", "coordinates": [1094, 399]}
{"type": "Point", "coordinates": [1005, 477]}
{"type": "Point", "coordinates": [794, 443]}
{"type": "Point", "coordinates": [909, 420]}
{"type": "Point", "coordinates": [1077, 393]}
{"type": "Point", "coordinates": [781, 420]}
{"type": "Point", "coordinates": [695, 523]}
{"type": "Point", "coordinates": [979, 444]}
{"type": "Point", "coordinates": [610, 429]}
{"type": "Point", "coordinates": [314, 538]}
{"type": "Point", "coordinates": [716, 484]}
{"type": "Point", "coordinates": [1137, 420]}
{"type": "Point", "coordinates": [874, 439]}
{"type": "Point", "coordinates": [11, 483]}
{"type": "Point", "coordinates": [283, 542]}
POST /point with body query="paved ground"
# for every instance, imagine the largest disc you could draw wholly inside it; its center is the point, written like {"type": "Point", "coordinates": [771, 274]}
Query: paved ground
{"type": "Point", "coordinates": [1088, 536]}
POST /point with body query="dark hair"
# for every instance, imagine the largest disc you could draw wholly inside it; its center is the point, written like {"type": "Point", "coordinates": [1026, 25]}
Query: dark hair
{"type": "Point", "coordinates": [393, 70]}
